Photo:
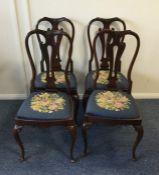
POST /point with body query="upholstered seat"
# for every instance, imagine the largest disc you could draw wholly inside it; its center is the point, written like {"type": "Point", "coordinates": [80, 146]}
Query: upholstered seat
{"type": "Point", "coordinates": [40, 80]}
{"type": "Point", "coordinates": [111, 104]}
{"type": "Point", "coordinates": [45, 106]}
{"type": "Point", "coordinates": [102, 81]}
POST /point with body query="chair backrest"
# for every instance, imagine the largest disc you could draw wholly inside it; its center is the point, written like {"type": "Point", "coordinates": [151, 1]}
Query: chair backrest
{"type": "Point", "coordinates": [50, 24]}
{"type": "Point", "coordinates": [115, 48]}
{"type": "Point", "coordinates": [102, 24]}
{"type": "Point", "coordinates": [50, 50]}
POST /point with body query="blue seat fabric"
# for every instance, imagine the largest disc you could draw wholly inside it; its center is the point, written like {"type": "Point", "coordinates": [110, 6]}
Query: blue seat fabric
{"type": "Point", "coordinates": [93, 110]}
{"type": "Point", "coordinates": [122, 84]}
{"type": "Point", "coordinates": [26, 112]}
{"type": "Point", "coordinates": [73, 83]}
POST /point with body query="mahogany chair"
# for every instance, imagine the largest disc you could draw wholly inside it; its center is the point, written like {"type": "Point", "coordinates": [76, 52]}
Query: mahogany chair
{"type": "Point", "coordinates": [50, 24]}
{"type": "Point", "coordinates": [50, 106]}
{"type": "Point", "coordinates": [94, 26]}
{"type": "Point", "coordinates": [113, 106]}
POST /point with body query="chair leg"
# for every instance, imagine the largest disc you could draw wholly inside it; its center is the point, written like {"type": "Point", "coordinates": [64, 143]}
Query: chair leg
{"type": "Point", "coordinates": [16, 131]}
{"type": "Point", "coordinates": [140, 131]}
{"type": "Point", "coordinates": [84, 134]}
{"type": "Point", "coordinates": [72, 131]}
{"type": "Point", "coordinates": [85, 99]}
{"type": "Point", "coordinates": [76, 98]}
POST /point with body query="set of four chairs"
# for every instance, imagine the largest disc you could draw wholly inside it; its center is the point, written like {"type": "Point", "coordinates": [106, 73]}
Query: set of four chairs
{"type": "Point", "coordinates": [54, 100]}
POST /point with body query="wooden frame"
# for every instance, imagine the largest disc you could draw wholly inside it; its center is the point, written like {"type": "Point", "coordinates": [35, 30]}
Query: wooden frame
{"type": "Point", "coordinates": [68, 122]}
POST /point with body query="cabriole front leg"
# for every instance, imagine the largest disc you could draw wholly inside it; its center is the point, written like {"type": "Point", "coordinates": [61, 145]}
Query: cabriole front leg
{"type": "Point", "coordinates": [16, 131]}
{"type": "Point", "coordinates": [140, 131]}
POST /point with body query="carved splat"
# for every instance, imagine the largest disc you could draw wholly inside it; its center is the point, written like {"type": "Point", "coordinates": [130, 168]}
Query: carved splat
{"type": "Point", "coordinates": [55, 25]}
{"type": "Point", "coordinates": [106, 24]}
{"type": "Point", "coordinates": [52, 40]}
{"type": "Point", "coordinates": [115, 48]}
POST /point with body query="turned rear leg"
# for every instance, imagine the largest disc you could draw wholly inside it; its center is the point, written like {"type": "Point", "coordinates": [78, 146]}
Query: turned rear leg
{"type": "Point", "coordinates": [72, 131]}
{"type": "Point", "coordinates": [85, 126]}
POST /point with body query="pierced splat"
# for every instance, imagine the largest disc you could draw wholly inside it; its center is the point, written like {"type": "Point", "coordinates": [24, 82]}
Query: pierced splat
{"type": "Point", "coordinates": [115, 48]}
{"type": "Point", "coordinates": [104, 58]}
{"type": "Point", "coordinates": [106, 24]}
{"type": "Point", "coordinates": [56, 24]}
{"type": "Point", "coordinates": [115, 43]}
{"type": "Point", "coordinates": [52, 40]}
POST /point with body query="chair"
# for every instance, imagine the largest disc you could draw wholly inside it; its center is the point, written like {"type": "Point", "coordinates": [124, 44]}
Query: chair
{"type": "Point", "coordinates": [51, 106]}
{"type": "Point", "coordinates": [95, 25]}
{"type": "Point", "coordinates": [113, 106]}
{"type": "Point", "coordinates": [67, 26]}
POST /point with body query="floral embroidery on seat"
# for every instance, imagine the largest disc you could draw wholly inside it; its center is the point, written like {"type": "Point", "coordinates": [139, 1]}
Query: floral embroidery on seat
{"type": "Point", "coordinates": [113, 101]}
{"type": "Point", "coordinates": [103, 77]}
{"type": "Point", "coordinates": [59, 76]}
{"type": "Point", "coordinates": [47, 102]}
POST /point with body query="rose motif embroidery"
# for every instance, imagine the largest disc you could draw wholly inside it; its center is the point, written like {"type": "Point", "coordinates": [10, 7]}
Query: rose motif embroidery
{"type": "Point", "coordinates": [103, 77]}
{"type": "Point", "coordinates": [59, 76]}
{"type": "Point", "coordinates": [47, 102]}
{"type": "Point", "coordinates": [114, 101]}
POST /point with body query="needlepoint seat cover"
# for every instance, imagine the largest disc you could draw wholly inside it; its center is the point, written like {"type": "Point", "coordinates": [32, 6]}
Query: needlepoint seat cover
{"type": "Point", "coordinates": [46, 106]}
{"type": "Point", "coordinates": [102, 80]}
{"type": "Point", "coordinates": [40, 81]}
{"type": "Point", "coordinates": [112, 104]}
